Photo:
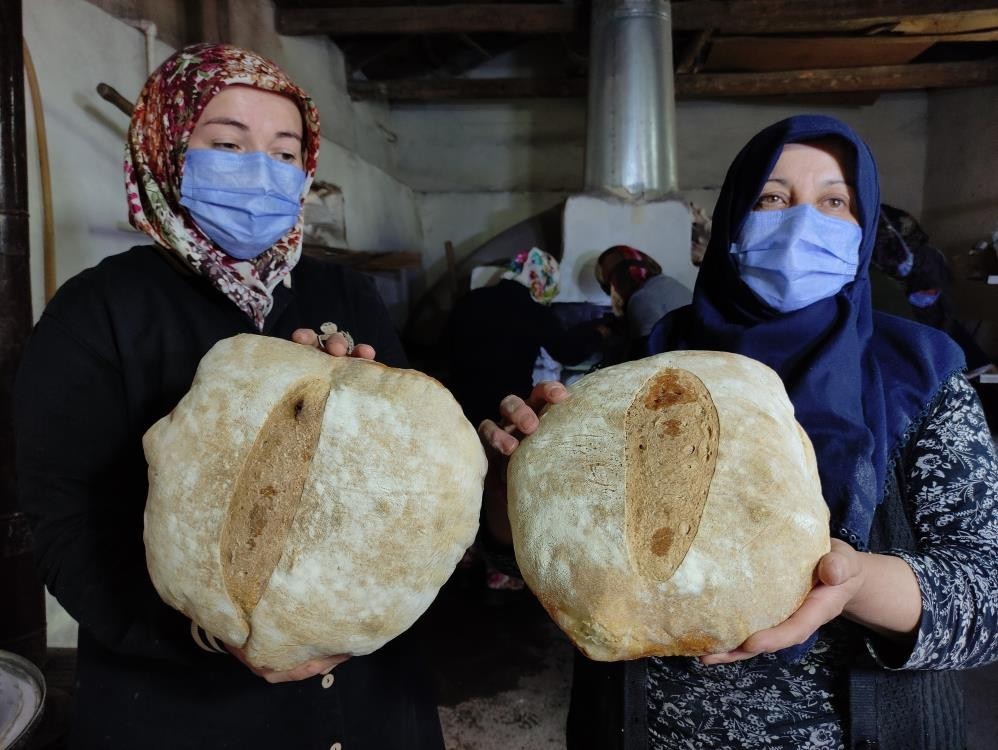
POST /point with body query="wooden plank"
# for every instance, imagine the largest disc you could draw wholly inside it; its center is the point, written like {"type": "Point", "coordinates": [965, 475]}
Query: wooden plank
{"type": "Point", "coordinates": [953, 23]}
{"type": "Point", "coordinates": [425, 90]}
{"type": "Point", "coordinates": [690, 61]}
{"type": "Point", "coordinates": [790, 16]}
{"type": "Point", "coordinates": [702, 85]}
{"type": "Point", "coordinates": [839, 80]}
{"type": "Point", "coordinates": [724, 16]}
{"type": "Point", "coordinates": [804, 53]}
{"type": "Point", "coordinates": [538, 18]}
{"type": "Point", "coordinates": [367, 260]}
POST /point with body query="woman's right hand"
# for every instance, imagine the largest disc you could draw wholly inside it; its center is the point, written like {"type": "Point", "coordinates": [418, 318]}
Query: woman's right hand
{"type": "Point", "coordinates": [518, 419]}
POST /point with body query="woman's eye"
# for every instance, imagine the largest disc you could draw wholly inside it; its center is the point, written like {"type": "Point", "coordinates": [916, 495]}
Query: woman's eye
{"type": "Point", "coordinates": [836, 203]}
{"type": "Point", "coordinates": [770, 200]}
{"type": "Point", "coordinates": [287, 157]}
{"type": "Point", "coordinates": [223, 146]}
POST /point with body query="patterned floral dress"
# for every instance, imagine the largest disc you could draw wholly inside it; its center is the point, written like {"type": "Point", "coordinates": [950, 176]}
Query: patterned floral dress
{"type": "Point", "coordinates": [952, 497]}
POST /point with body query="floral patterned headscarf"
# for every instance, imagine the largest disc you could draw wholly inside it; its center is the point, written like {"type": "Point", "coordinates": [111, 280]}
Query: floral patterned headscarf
{"type": "Point", "coordinates": [625, 269]}
{"type": "Point", "coordinates": [536, 270]}
{"type": "Point", "coordinates": [164, 118]}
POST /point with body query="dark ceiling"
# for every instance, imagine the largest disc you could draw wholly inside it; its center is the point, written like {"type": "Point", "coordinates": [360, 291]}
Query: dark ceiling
{"type": "Point", "coordinates": [422, 51]}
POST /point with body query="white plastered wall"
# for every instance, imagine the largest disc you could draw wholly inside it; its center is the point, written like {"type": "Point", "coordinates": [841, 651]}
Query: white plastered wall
{"type": "Point", "coordinates": [479, 168]}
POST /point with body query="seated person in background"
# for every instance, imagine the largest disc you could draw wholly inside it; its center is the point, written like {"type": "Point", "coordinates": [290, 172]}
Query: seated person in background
{"type": "Point", "coordinates": [495, 334]}
{"type": "Point", "coordinates": [639, 292]}
{"type": "Point", "coordinates": [902, 251]}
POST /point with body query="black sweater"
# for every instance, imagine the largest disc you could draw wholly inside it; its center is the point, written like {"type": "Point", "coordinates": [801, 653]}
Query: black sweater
{"type": "Point", "coordinates": [494, 335]}
{"type": "Point", "coordinates": [113, 352]}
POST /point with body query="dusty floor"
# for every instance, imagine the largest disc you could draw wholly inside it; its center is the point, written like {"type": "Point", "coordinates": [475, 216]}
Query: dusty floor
{"type": "Point", "coordinates": [503, 672]}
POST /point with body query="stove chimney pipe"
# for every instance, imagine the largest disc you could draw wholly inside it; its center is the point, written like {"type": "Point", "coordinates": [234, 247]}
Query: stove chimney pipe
{"type": "Point", "coordinates": [630, 140]}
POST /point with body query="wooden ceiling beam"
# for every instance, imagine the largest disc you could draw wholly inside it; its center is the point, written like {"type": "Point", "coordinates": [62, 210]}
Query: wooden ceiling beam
{"type": "Point", "coordinates": [791, 16]}
{"type": "Point", "coordinates": [839, 80]}
{"type": "Point", "coordinates": [698, 86]}
{"type": "Point", "coordinates": [724, 16]}
{"type": "Point", "coordinates": [536, 18]}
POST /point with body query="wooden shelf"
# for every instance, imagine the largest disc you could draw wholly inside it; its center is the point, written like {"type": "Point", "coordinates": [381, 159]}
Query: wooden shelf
{"type": "Point", "coordinates": [368, 260]}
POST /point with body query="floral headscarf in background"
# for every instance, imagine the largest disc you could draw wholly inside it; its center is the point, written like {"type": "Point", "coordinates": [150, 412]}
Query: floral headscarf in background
{"type": "Point", "coordinates": [165, 114]}
{"type": "Point", "coordinates": [538, 271]}
{"type": "Point", "coordinates": [624, 269]}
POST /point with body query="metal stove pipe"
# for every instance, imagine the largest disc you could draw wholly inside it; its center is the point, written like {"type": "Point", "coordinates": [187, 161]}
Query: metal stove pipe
{"type": "Point", "coordinates": [630, 139]}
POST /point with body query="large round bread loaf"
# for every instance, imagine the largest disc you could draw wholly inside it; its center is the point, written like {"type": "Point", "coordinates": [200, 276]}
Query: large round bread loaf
{"type": "Point", "coordinates": [671, 506]}
{"type": "Point", "coordinates": [302, 505]}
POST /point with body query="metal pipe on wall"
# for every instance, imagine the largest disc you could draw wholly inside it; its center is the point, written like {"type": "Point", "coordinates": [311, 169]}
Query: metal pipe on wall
{"type": "Point", "coordinates": [630, 137]}
{"type": "Point", "coordinates": [22, 626]}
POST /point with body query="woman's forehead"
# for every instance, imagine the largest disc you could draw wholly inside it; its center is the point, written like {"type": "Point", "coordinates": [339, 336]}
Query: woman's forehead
{"type": "Point", "coordinates": [825, 158]}
{"type": "Point", "coordinates": [251, 99]}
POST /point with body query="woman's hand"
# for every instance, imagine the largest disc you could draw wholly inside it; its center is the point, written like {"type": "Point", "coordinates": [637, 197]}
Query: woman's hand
{"type": "Point", "coordinates": [300, 672]}
{"type": "Point", "coordinates": [519, 418]}
{"type": "Point", "coordinates": [840, 576]}
{"type": "Point", "coordinates": [879, 592]}
{"type": "Point", "coordinates": [336, 344]}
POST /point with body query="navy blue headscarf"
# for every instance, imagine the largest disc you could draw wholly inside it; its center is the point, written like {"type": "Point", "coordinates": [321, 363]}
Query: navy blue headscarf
{"type": "Point", "coordinates": [857, 378]}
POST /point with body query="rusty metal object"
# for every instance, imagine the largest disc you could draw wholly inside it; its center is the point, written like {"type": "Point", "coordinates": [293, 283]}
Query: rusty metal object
{"type": "Point", "coordinates": [111, 94]}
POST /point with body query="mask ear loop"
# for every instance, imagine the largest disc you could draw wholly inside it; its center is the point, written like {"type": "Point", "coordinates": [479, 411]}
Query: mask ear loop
{"type": "Point", "coordinates": [905, 268]}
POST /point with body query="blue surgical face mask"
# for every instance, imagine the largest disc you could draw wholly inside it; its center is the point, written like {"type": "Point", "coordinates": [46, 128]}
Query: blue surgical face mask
{"type": "Point", "coordinates": [243, 202]}
{"type": "Point", "coordinates": [796, 256]}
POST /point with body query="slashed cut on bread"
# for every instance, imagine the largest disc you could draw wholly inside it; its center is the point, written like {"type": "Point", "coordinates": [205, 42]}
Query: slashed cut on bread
{"type": "Point", "coordinates": [302, 505]}
{"type": "Point", "coordinates": [670, 506]}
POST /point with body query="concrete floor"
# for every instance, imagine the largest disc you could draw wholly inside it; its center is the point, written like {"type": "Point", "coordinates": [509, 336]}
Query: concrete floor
{"type": "Point", "coordinates": [503, 675]}
{"type": "Point", "coordinates": [504, 669]}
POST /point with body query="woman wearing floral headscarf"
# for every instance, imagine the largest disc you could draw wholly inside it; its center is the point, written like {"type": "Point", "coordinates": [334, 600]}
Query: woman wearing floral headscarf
{"type": "Point", "coordinates": [221, 149]}
{"type": "Point", "coordinates": [639, 292]}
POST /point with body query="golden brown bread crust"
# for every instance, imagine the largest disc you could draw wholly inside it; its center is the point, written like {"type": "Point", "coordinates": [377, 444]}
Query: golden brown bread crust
{"type": "Point", "coordinates": [688, 545]}
{"type": "Point", "coordinates": [671, 435]}
{"type": "Point", "coordinates": [302, 505]}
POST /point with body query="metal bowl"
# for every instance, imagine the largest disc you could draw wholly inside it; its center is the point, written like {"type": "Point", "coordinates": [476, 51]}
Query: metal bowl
{"type": "Point", "coordinates": [22, 699]}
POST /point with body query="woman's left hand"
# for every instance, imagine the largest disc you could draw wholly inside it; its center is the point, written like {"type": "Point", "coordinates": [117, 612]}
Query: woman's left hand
{"type": "Point", "coordinates": [840, 576]}
{"type": "Point", "coordinates": [336, 344]}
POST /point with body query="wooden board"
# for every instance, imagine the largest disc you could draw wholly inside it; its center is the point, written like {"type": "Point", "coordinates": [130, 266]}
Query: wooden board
{"type": "Point", "coordinates": [803, 53]}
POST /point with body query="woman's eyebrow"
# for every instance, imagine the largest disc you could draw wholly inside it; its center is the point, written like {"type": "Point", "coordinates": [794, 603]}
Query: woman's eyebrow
{"type": "Point", "coordinates": [227, 121]}
{"type": "Point", "coordinates": [288, 134]}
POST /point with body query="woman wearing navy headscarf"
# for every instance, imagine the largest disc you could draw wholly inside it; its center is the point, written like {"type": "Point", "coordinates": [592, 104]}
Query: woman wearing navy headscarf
{"type": "Point", "coordinates": [907, 465]}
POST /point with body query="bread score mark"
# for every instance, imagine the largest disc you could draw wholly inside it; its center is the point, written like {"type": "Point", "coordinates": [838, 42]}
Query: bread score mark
{"type": "Point", "coordinates": [672, 433]}
{"type": "Point", "coordinates": [269, 490]}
